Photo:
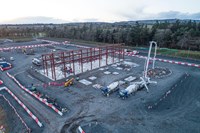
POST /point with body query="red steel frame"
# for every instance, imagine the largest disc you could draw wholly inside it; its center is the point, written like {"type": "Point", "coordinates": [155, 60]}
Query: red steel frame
{"type": "Point", "coordinates": [82, 56]}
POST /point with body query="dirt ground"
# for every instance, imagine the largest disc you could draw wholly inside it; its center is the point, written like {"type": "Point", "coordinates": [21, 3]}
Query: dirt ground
{"type": "Point", "coordinates": [142, 112]}
{"type": "Point", "coordinates": [3, 118]}
{"type": "Point", "coordinates": [9, 119]}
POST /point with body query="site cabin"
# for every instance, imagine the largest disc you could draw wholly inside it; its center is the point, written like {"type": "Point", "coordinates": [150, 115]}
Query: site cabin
{"type": "Point", "coordinates": [5, 66]}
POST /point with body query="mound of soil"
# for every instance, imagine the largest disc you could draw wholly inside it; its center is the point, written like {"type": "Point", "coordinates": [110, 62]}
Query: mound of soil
{"type": "Point", "coordinates": [159, 72]}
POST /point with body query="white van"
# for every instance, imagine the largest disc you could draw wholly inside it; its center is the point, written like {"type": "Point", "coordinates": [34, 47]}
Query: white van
{"type": "Point", "coordinates": [36, 61]}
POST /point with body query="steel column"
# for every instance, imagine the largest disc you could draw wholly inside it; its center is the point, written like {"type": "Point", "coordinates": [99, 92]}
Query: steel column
{"type": "Point", "coordinates": [84, 55]}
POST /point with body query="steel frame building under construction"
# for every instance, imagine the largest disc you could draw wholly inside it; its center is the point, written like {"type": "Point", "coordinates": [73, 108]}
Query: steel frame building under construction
{"type": "Point", "coordinates": [86, 55]}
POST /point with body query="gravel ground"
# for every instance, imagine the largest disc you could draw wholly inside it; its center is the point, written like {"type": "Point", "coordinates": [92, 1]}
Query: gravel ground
{"type": "Point", "coordinates": [15, 125]}
{"type": "Point", "coordinates": [96, 113]}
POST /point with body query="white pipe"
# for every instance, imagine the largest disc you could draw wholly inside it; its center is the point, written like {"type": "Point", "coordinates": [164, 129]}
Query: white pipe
{"type": "Point", "coordinates": [147, 61]}
{"type": "Point", "coordinates": [154, 58]}
{"type": "Point", "coordinates": [148, 58]}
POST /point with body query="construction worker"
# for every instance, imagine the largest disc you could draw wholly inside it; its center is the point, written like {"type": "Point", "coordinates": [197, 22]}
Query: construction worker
{"type": "Point", "coordinates": [70, 70]}
{"type": "Point", "coordinates": [77, 78]}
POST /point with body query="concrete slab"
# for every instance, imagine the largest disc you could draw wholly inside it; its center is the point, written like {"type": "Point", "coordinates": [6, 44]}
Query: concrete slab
{"type": "Point", "coordinates": [97, 86]}
{"type": "Point", "coordinates": [107, 72]}
{"type": "Point", "coordinates": [132, 64]}
{"type": "Point", "coordinates": [85, 82]}
{"type": "Point", "coordinates": [119, 68]}
{"type": "Point", "coordinates": [115, 73]}
{"type": "Point", "coordinates": [130, 78]}
{"type": "Point", "coordinates": [101, 69]}
{"type": "Point", "coordinates": [92, 78]}
{"type": "Point", "coordinates": [114, 65]}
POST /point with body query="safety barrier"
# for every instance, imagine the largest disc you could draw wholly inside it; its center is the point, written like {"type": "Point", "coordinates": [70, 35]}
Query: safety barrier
{"type": "Point", "coordinates": [37, 97]}
{"type": "Point", "coordinates": [24, 107]}
{"type": "Point", "coordinates": [33, 46]}
{"type": "Point", "coordinates": [23, 122]}
{"type": "Point", "coordinates": [168, 61]}
{"type": "Point", "coordinates": [81, 130]}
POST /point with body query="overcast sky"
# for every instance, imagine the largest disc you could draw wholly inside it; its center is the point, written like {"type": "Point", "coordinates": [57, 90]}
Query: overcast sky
{"type": "Point", "coordinates": [61, 11]}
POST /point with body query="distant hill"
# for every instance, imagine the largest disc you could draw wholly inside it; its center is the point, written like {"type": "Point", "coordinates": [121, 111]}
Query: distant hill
{"type": "Point", "coordinates": [170, 33]}
{"type": "Point", "coordinates": [150, 22]}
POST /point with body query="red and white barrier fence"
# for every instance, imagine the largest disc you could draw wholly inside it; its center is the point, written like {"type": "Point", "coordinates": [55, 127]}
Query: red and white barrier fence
{"type": "Point", "coordinates": [179, 63]}
{"type": "Point", "coordinates": [167, 61]}
{"type": "Point", "coordinates": [36, 96]}
{"type": "Point", "coordinates": [34, 46]}
{"type": "Point", "coordinates": [74, 45]}
{"type": "Point", "coordinates": [128, 53]}
{"type": "Point", "coordinates": [24, 107]}
{"type": "Point", "coordinates": [81, 130]}
{"type": "Point", "coordinates": [23, 122]}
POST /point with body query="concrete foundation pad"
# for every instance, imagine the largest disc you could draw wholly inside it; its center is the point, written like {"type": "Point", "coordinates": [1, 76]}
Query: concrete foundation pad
{"type": "Point", "coordinates": [101, 69]}
{"type": "Point", "coordinates": [85, 82]}
{"type": "Point", "coordinates": [119, 68]}
{"type": "Point", "coordinates": [92, 78]}
{"type": "Point", "coordinates": [97, 86]}
{"type": "Point", "coordinates": [115, 73]}
{"type": "Point", "coordinates": [130, 78]}
{"type": "Point", "coordinates": [131, 64]}
{"type": "Point", "coordinates": [107, 72]}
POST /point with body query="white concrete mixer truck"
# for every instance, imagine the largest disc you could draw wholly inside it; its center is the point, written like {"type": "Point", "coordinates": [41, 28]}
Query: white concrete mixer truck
{"type": "Point", "coordinates": [110, 88]}
{"type": "Point", "coordinates": [135, 87]}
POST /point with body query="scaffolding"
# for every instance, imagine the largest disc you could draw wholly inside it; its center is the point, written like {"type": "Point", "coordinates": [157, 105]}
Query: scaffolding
{"type": "Point", "coordinates": [75, 59]}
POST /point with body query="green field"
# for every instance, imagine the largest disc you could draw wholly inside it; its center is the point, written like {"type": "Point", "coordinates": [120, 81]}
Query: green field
{"type": "Point", "coordinates": [75, 41]}
{"type": "Point", "coordinates": [162, 51]}
{"type": "Point", "coordinates": [179, 53]}
{"type": "Point", "coordinates": [19, 39]}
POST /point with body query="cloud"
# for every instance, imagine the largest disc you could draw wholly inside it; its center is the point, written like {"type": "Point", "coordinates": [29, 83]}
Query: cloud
{"type": "Point", "coordinates": [34, 20]}
{"type": "Point", "coordinates": [85, 20]}
{"type": "Point", "coordinates": [91, 20]}
{"type": "Point", "coordinates": [45, 20]}
{"type": "Point", "coordinates": [130, 15]}
{"type": "Point", "coordinates": [141, 15]}
{"type": "Point", "coordinates": [178, 15]}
